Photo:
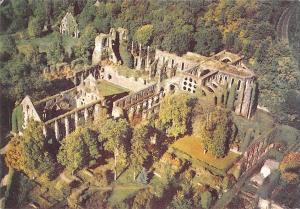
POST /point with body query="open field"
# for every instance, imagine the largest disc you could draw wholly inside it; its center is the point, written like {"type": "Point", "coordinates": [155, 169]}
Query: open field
{"type": "Point", "coordinates": [191, 145]}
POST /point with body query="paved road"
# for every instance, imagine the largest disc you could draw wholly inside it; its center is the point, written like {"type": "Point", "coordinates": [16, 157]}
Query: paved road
{"type": "Point", "coordinates": [283, 23]}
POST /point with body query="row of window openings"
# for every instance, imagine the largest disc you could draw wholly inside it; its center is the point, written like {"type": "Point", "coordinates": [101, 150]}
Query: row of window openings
{"type": "Point", "coordinates": [188, 89]}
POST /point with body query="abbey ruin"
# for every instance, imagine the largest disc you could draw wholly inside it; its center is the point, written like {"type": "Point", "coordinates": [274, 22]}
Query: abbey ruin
{"type": "Point", "coordinates": [214, 78]}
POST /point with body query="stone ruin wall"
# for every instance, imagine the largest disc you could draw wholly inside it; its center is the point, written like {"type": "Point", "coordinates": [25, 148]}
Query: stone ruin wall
{"type": "Point", "coordinates": [141, 104]}
{"type": "Point", "coordinates": [109, 73]}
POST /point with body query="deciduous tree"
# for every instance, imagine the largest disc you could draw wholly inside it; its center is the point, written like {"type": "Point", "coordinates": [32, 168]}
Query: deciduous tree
{"type": "Point", "coordinates": [78, 149]}
{"type": "Point", "coordinates": [290, 167]}
{"type": "Point", "coordinates": [144, 34]}
{"type": "Point", "coordinates": [140, 139]}
{"type": "Point", "coordinates": [175, 113]}
{"type": "Point", "coordinates": [115, 134]}
{"type": "Point", "coordinates": [215, 131]}
{"type": "Point", "coordinates": [28, 153]}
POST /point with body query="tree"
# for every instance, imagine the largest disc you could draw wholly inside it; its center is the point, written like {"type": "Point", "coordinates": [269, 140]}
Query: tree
{"type": "Point", "coordinates": [7, 47]}
{"type": "Point", "coordinates": [215, 131]}
{"type": "Point", "coordinates": [290, 167]}
{"type": "Point", "coordinates": [140, 139]}
{"type": "Point", "coordinates": [78, 149]}
{"type": "Point", "coordinates": [178, 40]}
{"type": "Point", "coordinates": [206, 199]}
{"type": "Point", "coordinates": [126, 56]}
{"type": "Point", "coordinates": [28, 153]}
{"type": "Point", "coordinates": [144, 35]}
{"type": "Point", "coordinates": [55, 52]}
{"type": "Point", "coordinates": [87, 15]}
{"type": "Point", "coordinates": [180, 201]}
{"type": "Point", "coordinates": [115, 134]}
{"type": "Point", "coordinates": [17, 119]}
{"type": "Point", "coordinates": [143, 199]}
{"type": "Point", "coordinates": [208, 40]}
{"type": "Point", "coordinates": [175, 113]}
{"type": "Point", "coordinates": [35, 26]}
{"type": "Point", "coordinates": [228, 182]}
{"type": "Point", "coordinates": [87, 41]}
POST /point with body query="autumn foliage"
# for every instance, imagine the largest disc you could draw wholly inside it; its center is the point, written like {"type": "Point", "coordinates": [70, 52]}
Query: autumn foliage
{"type": "Point", "coordinates": [290, 167]}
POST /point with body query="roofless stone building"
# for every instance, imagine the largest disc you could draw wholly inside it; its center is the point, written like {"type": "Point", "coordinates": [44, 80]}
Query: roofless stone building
{"type": "Point", "coordinates": [69, 26]}
{"type": "Point", "coordinates": [212, 77]}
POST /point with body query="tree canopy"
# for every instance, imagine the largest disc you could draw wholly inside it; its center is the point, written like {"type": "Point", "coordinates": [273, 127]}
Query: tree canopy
{"type": "Point", "coordinates": [28, 153]}
{"type": "Point", "coordinates": [214, 131]}
{"type": "Point", "coordinates": [175, 114]}
{"type": "Point", "coordinates": [78, 149]}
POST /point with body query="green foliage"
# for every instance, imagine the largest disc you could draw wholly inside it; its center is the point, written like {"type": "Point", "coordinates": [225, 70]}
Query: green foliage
{"type": "Point", "coordinates": [126, 56]}
{"type": "Point", "coordinates": [276, 63]}
{"type": "Point", "coordinates": [215, 132]}
{"type": "Point", "coordinates": [115, 134]}
{"type": "Point", "coordinates": [17, 119]}
{"type": "Point", "coordinates": [180, 201]}
{"type": "Point", "coordinates": [55, 53]}
{"type": "Point", "coordinates": [175, 114]}
{"type": "Point", "coordinates": [228, 182]}
{"type": "Point", "coordinates": [140, 139]}
{"type": "Point", "coordinates": [231, 97]}
{"type": "Point", "coordinates": [206, 199]}
{"type": "Point", "coordinates": [144, 35]}
{"type": "Point", "coordinates": [143, 199]}
{"type": "Point", "coordinates": [87, 15]}
{"type": "Point", "coordinates": [178, 40]}
{"type": "Point", "coordinates": [20, 187]}
{"type": "Point", "coordinates": [209, 39]}
{"type": "Point", "coordinates": [87, 41]}
{"type": "Point", "coordinates": [35, 26]}
{"type": "Point", "coordinates": [28, 153]}
{"type": "Point", "coordinates": [7, 47]}
{"type": "Point", "coordinates": [78, 149]}
{"type": "Point", "coordinates": [289, 168]}
{"type": "Point", "coordinates": [20, 78]}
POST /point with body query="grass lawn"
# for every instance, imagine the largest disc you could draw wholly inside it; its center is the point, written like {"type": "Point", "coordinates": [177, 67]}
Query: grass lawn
{"type": "Point", "coordinates": [107, 88]}
{"type": "Point", "coordinates": [191, 146]}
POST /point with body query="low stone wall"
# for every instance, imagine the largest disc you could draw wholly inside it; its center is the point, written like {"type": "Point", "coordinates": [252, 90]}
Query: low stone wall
{"type": "Point", "coordinates": [110, 74]}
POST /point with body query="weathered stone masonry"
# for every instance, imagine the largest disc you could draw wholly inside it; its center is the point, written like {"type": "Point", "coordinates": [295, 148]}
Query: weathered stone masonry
{"type": "Point", "coordinates": [211, 76]}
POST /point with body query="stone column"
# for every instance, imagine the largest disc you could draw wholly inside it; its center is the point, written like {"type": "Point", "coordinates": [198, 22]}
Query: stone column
{"type": "Point", "coordinates": [76, 119]}
{"type": "Point", "coordinates": [45, 131]}
{"type": "Point", "coordinates": [86, 114]}
{"type": "Point", "coordinates": [247, 99]}
{"type": "Point", "coordinates": [67, 126]}
{"type": "Point", "coordinates": [82, 77]}
{"type": "Point", "coordinates": [148, 59]}
{"type": "Point", "coordinates": [56, 130]}
{"type": "Point", "coordinates": [240, 99]}
{"type": "Point", "coordinates": [150, 103]}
